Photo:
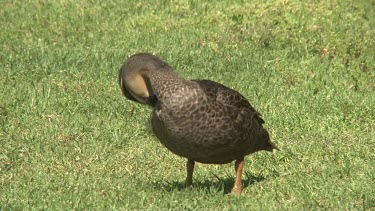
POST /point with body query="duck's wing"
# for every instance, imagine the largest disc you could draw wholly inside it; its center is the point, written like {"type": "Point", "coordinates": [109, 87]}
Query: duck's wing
{"type": "Point", "coordinates": [229, 98]}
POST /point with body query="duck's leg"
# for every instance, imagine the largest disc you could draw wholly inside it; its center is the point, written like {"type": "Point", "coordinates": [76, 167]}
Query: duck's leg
{"type": "Point", "coordinates": [238, 166]}
{"type": "Point", "coordinates": [190, 170]}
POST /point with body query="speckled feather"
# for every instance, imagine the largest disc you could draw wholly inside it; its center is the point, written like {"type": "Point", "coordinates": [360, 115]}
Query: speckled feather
{"type": "Point", "coordinates": [217, 125]}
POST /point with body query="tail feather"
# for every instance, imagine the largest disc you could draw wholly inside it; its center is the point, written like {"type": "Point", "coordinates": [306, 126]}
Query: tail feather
{"type": "Point", "coordinates": [271, 146]}
{"type": "Point", "coordinates": [268, 145]}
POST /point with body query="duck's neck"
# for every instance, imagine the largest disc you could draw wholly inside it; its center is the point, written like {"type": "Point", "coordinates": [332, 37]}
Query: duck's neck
{"type": "Point", "coordinates": [169, 87]}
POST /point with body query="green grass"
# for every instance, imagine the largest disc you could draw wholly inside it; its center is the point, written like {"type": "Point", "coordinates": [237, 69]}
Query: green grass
{"type": "Point", "coordinates": [69, 140]}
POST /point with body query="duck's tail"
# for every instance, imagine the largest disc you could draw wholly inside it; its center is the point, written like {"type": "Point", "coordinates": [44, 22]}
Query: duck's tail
{"type": "Point", "coordinates": [268, 145]}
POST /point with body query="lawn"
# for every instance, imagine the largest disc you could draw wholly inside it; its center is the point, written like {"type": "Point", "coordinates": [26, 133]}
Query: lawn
{"type": "Point", "coordinates": [70, 140]}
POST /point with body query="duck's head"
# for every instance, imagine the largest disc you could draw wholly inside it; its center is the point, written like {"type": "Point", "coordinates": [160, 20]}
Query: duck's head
{"type": "Point", "coordinates": [134, 77]}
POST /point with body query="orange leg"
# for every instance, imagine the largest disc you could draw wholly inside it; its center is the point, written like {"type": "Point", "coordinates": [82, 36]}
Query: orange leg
{"type": "Point", "coordinates": [238, 182]}
{"type": "Point", "coordinates": [190, 170]}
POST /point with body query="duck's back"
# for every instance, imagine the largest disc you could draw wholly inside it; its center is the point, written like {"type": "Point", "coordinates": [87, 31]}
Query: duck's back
{"type": "Point", "coordinates": [218, 125]}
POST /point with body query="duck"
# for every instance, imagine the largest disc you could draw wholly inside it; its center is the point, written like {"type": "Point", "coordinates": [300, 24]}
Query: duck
{"type": "Point", "coordinates": [200, 120]}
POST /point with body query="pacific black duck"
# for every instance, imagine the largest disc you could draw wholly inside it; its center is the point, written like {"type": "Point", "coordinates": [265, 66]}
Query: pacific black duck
{"type": "Point", "coordinates": [200, 120]}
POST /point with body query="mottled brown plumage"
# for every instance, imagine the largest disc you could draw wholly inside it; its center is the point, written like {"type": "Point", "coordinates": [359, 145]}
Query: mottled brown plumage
{"type": "Point", "coordinates": [200, 120]}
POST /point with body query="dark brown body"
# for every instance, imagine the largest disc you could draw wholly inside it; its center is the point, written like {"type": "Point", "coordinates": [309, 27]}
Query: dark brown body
{"type": "Point", "coordinates": [200, 120]}
{"type": "Point", "coordinates": [216, 126]}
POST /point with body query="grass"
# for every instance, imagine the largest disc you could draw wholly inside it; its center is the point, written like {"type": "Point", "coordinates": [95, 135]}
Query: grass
{"type": "Point", "coordinates": [69, 140]}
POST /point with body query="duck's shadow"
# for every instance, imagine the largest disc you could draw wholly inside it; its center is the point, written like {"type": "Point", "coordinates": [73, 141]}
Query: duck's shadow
{"type": "Point", "coordinates": [219, 184]}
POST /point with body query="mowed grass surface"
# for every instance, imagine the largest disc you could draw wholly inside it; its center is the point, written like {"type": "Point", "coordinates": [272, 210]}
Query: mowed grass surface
{"type": "Point", "coordinates": [69, 140]}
